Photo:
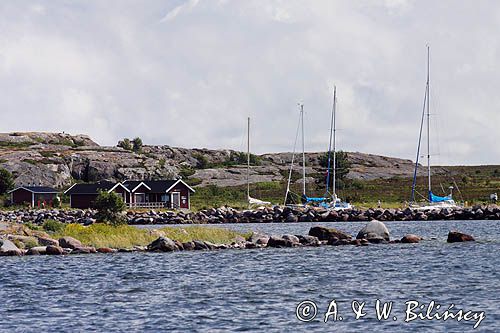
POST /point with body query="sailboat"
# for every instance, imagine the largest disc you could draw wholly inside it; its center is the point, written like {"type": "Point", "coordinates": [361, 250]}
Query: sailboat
{"type": "Point", "coordinates": [433, 201]}
{"type": "Point", "coordinates": [329, 200]}
{"type": "Point", "coordinates": [336, 203]}
{"type": "Point", "coordinates": [251, 201]}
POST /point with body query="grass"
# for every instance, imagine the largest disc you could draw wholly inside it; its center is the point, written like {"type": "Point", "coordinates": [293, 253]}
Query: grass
{"type": "Point", "coordinates": [475, 184]}
{"type": "Point", "coordinates": [124, 236]}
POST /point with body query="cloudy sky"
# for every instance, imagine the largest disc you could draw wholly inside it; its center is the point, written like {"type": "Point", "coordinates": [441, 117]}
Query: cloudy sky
{"type": "Point", "coordinates": [188, 73]}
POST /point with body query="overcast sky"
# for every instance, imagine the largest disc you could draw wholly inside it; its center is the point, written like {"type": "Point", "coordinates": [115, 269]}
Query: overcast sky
{"type": "Point", "coordinates": [188, 73]}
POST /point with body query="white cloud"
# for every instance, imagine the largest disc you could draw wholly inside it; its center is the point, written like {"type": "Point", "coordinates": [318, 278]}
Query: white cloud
{"type": "Point", "coordinates": [188, 73]}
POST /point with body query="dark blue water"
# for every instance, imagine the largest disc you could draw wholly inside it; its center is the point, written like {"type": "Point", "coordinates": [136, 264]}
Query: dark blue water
{"type": "Point", "coordinates": [258, 290]}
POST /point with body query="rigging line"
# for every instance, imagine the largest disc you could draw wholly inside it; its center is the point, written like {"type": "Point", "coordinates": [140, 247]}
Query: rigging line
{"type": "Point", "coordinates": [414, 184]}
{"type": "Point", "coordinates": [293, 158]}
{"type": "Point", "coordinates": [330, 143]}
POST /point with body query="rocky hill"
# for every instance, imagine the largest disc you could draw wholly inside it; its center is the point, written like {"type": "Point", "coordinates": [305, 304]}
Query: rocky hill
{"type": "Point", "coordinates": [59, 159]}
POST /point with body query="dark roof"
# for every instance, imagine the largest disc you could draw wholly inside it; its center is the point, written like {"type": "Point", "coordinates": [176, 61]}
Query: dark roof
{"type": "Point", "coordinates": [91, 188]}
{"type": "Point", "coordinates": [157, 186]}
{"type": "Point", "coordinates": [36, 189]}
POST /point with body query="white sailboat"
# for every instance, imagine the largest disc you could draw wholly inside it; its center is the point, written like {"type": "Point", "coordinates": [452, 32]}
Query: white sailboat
{"type": "Point", "coordinates": [433, 201]}
{"type": "Point", "coordinates": [329, 200]}
{"type": "Point", "coordinates": [251, 201]}
{"type": "Point", "coordinates": [336, 203]}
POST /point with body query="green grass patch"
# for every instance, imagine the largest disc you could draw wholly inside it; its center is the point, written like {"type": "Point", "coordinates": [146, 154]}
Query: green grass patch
{"type": "Point", "coordinates": [124, 236]}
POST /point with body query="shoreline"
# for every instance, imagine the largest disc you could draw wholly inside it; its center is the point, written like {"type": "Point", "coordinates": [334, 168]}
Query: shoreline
{"type": "Point", "coordinates": [101, 238]}
{"type": "Point", "coordinates": [277, 214]}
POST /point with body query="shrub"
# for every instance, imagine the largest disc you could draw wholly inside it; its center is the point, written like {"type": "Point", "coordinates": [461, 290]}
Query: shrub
{"type": "Point", "coordinates": [6, 181]}
{"type": "Point", "coordinates": [52, 226]}
{"type": "Point", "coordinates": [185, 171]}
{"type": "Point", "coordinates": [125, 144]}
{"type": "Point", "coordinates": [137, 144]}
{"type": "Point", "coordinates": [110, 207]}
{"type": "Point", "coordinates": [202, 161]}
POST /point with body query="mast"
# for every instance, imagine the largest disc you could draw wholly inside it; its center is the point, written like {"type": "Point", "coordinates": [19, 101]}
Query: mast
{"type": "Point", "coordinates": [330, 147]}
{"type": "Point", "coordinates": [248, 159]}
{"type": "Point", "coordinates": [334, 146]}
{"type": "Point", "coordinates": [428, 127]}
{"type": "Point", "coordinates": [414, 184]}
{"type": "Point", "coordinates": [303, 150]}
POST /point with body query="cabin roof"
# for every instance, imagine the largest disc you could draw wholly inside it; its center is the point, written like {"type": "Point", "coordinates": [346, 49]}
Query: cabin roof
{"type": "Point", "coordinates": [36, 189]}
{"type": "Point", "coordinates": [90, 188]}
{"type": "Point", "coordinates": [156, 186]}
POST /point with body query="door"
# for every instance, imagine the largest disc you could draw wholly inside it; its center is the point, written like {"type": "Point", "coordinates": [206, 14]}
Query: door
{"type": "Point", "coordinates": [176, 199]}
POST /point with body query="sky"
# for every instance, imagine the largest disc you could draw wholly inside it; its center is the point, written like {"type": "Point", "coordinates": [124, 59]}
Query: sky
{"type": "Point", "coordinates": [189, 73]}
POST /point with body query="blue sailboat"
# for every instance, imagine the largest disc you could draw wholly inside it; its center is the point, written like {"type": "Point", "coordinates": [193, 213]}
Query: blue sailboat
{"type": "Point", "coordinates": [433, 201]}
{"type": "Point", "coordinates": [328, 200]}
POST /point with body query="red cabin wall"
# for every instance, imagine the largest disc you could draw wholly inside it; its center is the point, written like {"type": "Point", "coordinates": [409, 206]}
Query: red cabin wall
{"type": "Point", "coordinates": [184, 194]}
{"type": "Point", "coordinates": [21, 196]}
{"type": "Point", "coordinates": [82, 201]}
{"type": "Point", "coordinates": [47, 198]}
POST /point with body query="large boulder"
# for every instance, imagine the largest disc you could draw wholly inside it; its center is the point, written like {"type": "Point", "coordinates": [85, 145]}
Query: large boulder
{"type": "Point", "coordinates": [69, 242]}
{"type": "Point", "coordinates": [411, 238]}
{"type": "Point", "coordinates": [307, 240]}
{"type": "Point", "coordinates": [455, 236]}
{"type": "Point", "coordinates": [375, 232]}
{"type": "Point", "coordinates": [259, 238]}
{"type": "Point", "coordinates": [162, 244]}
{"type": "Point", "coordinates": [283, 241]}
{"type": "Point", "coordinates": [54, 250]}
{"type": "Point", "coordinates": [323, 233]}
{"type": "Point", "coordinates": [45, 241]}
{"type": "Point", "coordinates": [7, 248]}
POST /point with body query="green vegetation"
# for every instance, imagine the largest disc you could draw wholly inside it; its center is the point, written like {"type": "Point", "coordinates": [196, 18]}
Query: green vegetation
{"type": "Point", "coordinates": [134, 145]}
{"type": "Point", "coordinates": [15, 145]}
{"type": "Point", "coordinates": [475, 184]}
{"type": "Point", "coordinates": [47, 153]}
{"type": "Point", "coordinates": [2, 160]}
{"type": "Point", "coordinates": [110, 207]}
{"type": "Point", "coordinates": [342, 165]}
{"type": "Point", "coordinates": [52, 226]}
{"type": "Point", "coordinates": [6, 181]}
{"type": "Point", "coordinates": [202, 161]}
{"type": "Point", "coordinates": [137, 144]}
{"type": "Point", "coordinates": [124, 236]}
{"type": "Point", "coordinates": [186, 171]}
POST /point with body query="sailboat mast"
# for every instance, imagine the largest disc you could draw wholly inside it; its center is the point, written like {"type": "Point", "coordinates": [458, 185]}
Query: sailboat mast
{"type": "Point", "coordinates": [303, 150]}
{"type": "Point", "coordinates": [330, 148]}
{"type": "Point", "coordinates": [248, 159]}
{"type": "Point", "coordinates": [428, 127]}
{"type": "Point", "coordinates": [334, 143]}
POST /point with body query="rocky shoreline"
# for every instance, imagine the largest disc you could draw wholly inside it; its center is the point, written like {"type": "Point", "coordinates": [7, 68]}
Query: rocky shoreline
{"type": "Point", "coordinates": [374, 232]}
{"type": "Point", "coordinates": [263, 215]}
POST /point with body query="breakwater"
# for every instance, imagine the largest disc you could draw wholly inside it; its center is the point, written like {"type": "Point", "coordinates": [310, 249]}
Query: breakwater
{"type": "Point", "coordinates": [262, 215]}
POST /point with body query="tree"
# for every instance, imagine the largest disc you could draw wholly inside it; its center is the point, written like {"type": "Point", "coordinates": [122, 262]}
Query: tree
{"type": "Point", "coordinates": [125, 144]}
{"type": "Point", "coordinates": [110, 207]}
{"type": "Point", "coordinates": [137, 144]}
{"type": "Point", "coordinates": [6, 181]}
{"type": "Point", "coordinates": [342, 165]}
{"type": "Point", "coordinates": [202, 161]}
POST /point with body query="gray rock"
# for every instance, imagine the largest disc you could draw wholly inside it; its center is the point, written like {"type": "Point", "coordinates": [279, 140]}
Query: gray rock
{"type": "Point", "coordinates": [7, 248]}
{"type": "Point", "coordinates": [70, 242]}
{"type": "Point", "coordinates": [199, 245]}
{"type": "Point", "coordinates": [374, 232]}
{"type": "Point", "coordinates": [279, 241]}
{"type": "Point", "coordinates": [162, 244]}
{"type": "Point", "coordinates": [410, 238]}
{"type": "Point", "coordinates": [37, 250]}
{"type": "Point", "coordinates": [44, 241]}
{"type": "Point", "coordinates": [307, 240]}
{"type": "Point", "coordinates": [188, 246]}
{"type": "Point", "coordinates": [54, 250]}
{"type": "Point", "coordinates": [323, 233]}
{"type": "Point", "coordinates": [455, 236]}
